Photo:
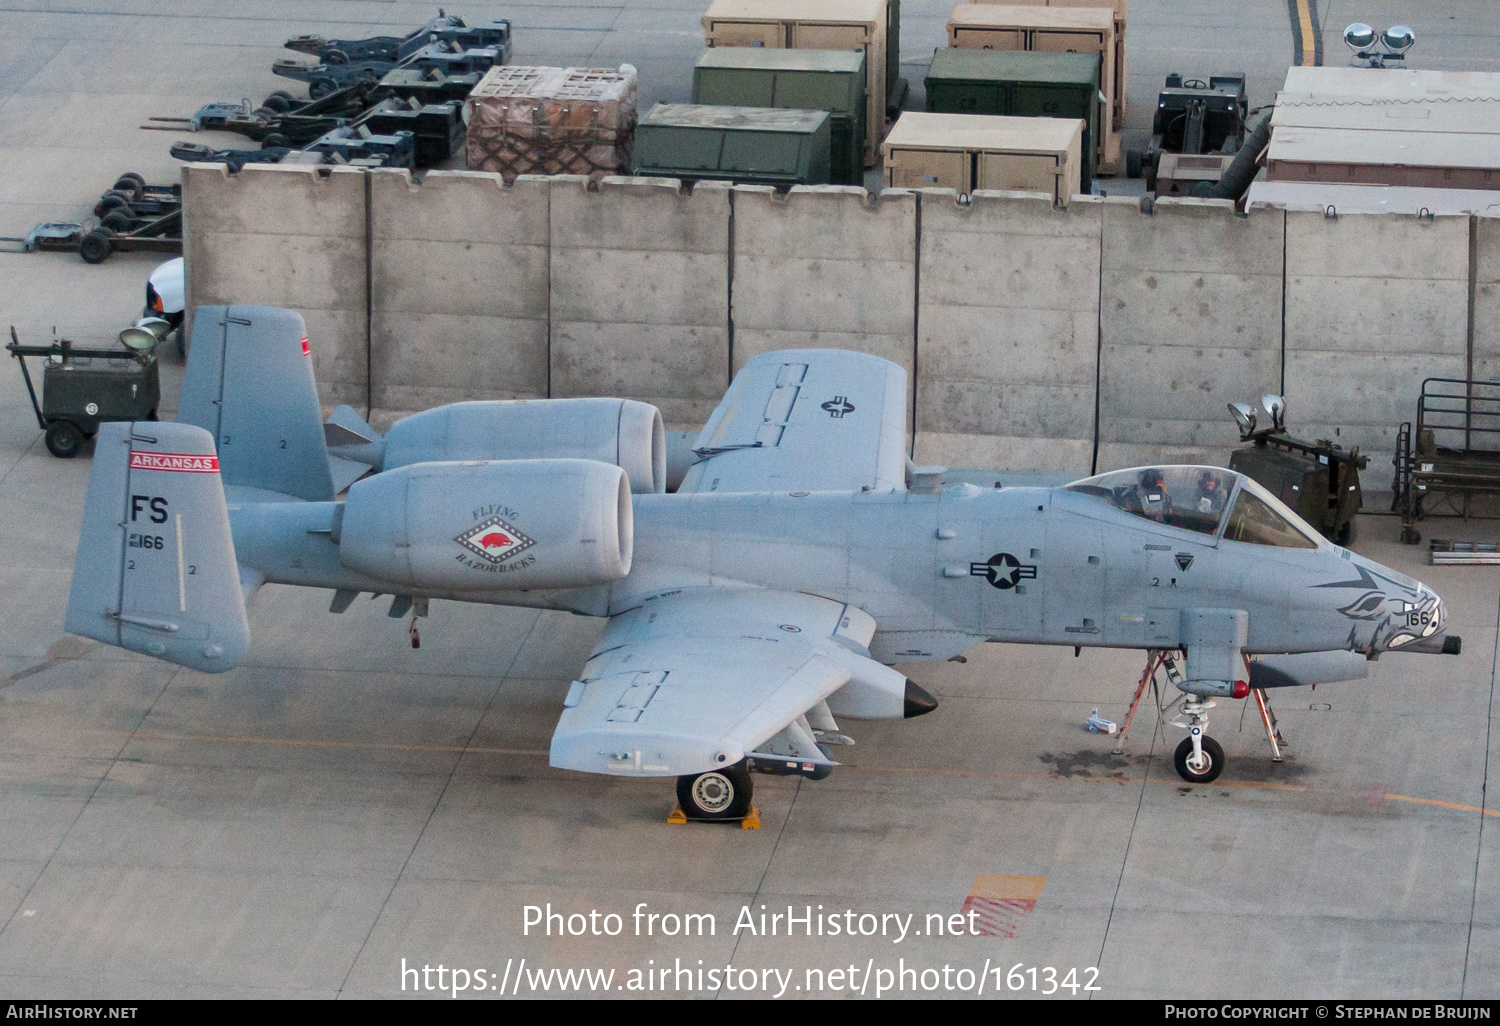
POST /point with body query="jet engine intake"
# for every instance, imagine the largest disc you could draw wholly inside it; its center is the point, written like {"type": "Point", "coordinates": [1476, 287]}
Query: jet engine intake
{"type": "Point", "coordinates": [513, 525]}
{"type": "Point", "coordinates": [623, 432]}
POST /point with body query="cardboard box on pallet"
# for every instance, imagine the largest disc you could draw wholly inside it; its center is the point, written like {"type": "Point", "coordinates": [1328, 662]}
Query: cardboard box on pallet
{"type": "Point", "coordinates": [552, 121]}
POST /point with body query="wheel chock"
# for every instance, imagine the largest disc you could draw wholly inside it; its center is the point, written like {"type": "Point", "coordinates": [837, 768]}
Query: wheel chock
{"type": "Point", "coordinates": [751, 821]}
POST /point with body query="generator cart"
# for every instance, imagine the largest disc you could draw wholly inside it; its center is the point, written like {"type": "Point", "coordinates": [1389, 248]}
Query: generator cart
{"type": "Point", "coordinates": [83, 388]}
{"type": "Point", "coordinates": [1319, 480]}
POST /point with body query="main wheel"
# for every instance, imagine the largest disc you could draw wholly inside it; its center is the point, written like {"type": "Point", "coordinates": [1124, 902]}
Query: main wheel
{"type": "Point", "coordinates": [64, 439]}
{"type": "Point", "coordinates": [94, 247]}
{"type": "Point", "coordinates": [1211, 751]}
{"type": "Point", "coordinates": [717, 794]}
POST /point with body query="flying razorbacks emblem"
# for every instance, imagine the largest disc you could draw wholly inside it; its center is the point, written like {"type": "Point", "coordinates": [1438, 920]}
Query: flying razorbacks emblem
{"type": "Point", "coordinates": [1003, 570]}
{"type": "Point", "coordinates": [495, 540]}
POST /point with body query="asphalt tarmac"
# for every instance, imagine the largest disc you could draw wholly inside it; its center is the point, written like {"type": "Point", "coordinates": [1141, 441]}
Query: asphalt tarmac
{"type": "Point", "coordinates": [342, 807]}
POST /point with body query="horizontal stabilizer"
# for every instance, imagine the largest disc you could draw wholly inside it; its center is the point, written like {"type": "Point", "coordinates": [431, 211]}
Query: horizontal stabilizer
{"type": "Point", "coordinates": [351, 443]}
{"type": "Point", "coordinates": [155, 571]}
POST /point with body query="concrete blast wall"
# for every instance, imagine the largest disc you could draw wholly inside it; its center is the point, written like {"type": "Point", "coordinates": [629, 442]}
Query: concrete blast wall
{"type": "Point", "coordinates": [1036, 339]}
{"type": "Point", "coordinates": [1375, 303]}
{"type": "Point", "coordinates": [1190, 321]}
{"type": "Point", "coordinates": [824, 267]}
{"type": "Point", "coordinates": [459, 275]}
{"type": "Point", "coordinates": [639, 293]}
{"type": "Point", "coordinates": [286, 236]}
{"type": "Point", "coordinates": [1008, 329]}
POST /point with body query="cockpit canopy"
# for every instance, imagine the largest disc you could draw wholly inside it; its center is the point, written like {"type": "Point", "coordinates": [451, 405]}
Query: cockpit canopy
{"type": "Point", "coordinates": [1199, 499]}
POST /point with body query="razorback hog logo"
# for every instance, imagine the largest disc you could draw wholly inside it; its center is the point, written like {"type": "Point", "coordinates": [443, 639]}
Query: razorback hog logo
{"type": "Point", "coordinates": [494, 540]}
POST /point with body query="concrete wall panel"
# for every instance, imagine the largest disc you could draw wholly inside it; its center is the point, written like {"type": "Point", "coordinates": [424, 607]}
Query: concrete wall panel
{"type": "Point", "coordinates": [1374, 304]}
{"type": "Point", "coordinates": [460, 278]}
{"type": "Point", "coordinates": [1190, 314]}
{"type": "Point", "coordinates": [1007, 331]}
{"type": "Point", "coordinates": [639, 293]}
{"type": "Point", "coordinates": [823, 266]}
{"type": "Point", "coordinates": [1487, 296]}
{"type": "Point", "coordinates": [285, 236]}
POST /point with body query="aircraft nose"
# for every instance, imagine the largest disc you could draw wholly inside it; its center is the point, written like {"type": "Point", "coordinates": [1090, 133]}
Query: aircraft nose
{"type": "Point", "coordinates": [1416, 620]}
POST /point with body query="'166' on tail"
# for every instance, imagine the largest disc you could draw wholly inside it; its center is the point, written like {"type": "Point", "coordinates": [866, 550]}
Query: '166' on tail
{"type": "Point", "coordinates": [155, 570]}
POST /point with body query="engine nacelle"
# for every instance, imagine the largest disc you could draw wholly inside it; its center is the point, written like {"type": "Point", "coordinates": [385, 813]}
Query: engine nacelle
{"type": "Point", "coordinates": [514, 525]}
{"type": "Point", "coordinates": [623, 432]}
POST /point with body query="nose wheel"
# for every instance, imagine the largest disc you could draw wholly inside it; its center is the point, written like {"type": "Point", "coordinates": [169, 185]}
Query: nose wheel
{"type": "Point", "coordinates": [1199, 758]}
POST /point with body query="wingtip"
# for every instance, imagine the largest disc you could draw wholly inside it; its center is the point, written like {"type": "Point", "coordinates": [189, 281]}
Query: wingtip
{"type": "Point", "coordinates": [919, 702]}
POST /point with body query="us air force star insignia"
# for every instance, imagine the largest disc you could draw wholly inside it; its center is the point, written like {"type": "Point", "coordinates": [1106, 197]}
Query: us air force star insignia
{"type": "Point", "coordinates": [494, 540]}
{"type": "Point", "coordinates": [838, 406]}
{"type": "Point", "coordinates": [1003, 570]}
{"type": "Point", "coordinates": [1184, 560]}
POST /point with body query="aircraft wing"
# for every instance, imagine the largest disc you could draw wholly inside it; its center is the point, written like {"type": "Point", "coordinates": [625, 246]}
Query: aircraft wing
{"type": "Point", "coordinates": [697, 679]}
{"type": "Point", "coordinates": [805, 419]}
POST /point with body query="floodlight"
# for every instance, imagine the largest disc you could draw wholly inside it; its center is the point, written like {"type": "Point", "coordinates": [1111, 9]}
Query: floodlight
{"type": "Point", "coordinates": [1359, 36]}
{"type": "Point", "coordinates": [1245, 417]}
{"type": "Point", "coordinates": [1398, 38]}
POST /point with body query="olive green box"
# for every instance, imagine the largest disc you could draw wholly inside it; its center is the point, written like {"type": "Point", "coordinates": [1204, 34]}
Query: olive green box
{"type": "Point", "coordinates": [754, 145]}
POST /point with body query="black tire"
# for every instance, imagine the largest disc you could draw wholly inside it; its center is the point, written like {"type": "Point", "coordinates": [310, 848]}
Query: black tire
{"type": "Point", "coordinates": [137, 179]}
{"type": "Point", "coordinates": [110, 201]}
{"type": "Point", "coordinates": [717, 794]}
{"type": "Point", "coordinates": [335, 56]}
{"type": "Point", "coordinates": [1346, 534]}
{"type": "Point", "coordinates": [277, 103]}
{"type": "Point", "coordinates": [1215, 761]}
{"type": "Point", "coordinates": [274, 141]}
{"type": "Point", "coordinates": [151, 415]}
{"type": "Point", "coordinates": [1410, 536]}
{"type": "Point", "coordinates": [94, 247]}
{"type": "Point", "coordinates": [321, 87]}
{"type": "Point", "coordinates": [116, 221]}
{"type": "Point", "coordinates": [64, 439]}
{"type": "Point", "coordinates": [288, 97]}
{"type": "Point", "coordinates": [129, 187]}
{"type": "Point", "coordinates": [1134, 161]}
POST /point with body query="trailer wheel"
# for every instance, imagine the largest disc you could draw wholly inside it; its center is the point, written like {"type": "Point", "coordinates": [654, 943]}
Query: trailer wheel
{"type": "Point", "coordinates": [94, 247]}
{"type": "Point", "coordinates": [335, 56]}
{"type": "Point", "coordinates": [288, 97]}
{"type": "Point", "coordinates": [273, 141]}
{"type": "Point", "coordinates": [321, 87]}
{"type": "Point", "coordinates": [116, 221]}
{"type": "Point", "coordinates": [277, 103]}
{"type": "Point", "coordinates": [112, 201]}
{"type": "Point", "coordinates": [1135, 161]}
{"type": "Point", "coordinates": [129, 188]}
{"type": "Point", "coordinates": [136, 178]}
{"type": "Point", "coordinates": [64, 439]}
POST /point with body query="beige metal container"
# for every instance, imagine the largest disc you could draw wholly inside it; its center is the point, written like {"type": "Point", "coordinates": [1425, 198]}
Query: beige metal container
{"type": "Point", "coordinates": [551, 121]}
{"type": "Point", "coordinates": [1441, 160]}
{"type": "Point", "coordinates": [1121, 9]}
{"type": "Point", "coordinates": [812, 25]}
{"type": "Point", "coordinates": [964, 152]}
{"type": "Point", "coordinates": [986, 26]}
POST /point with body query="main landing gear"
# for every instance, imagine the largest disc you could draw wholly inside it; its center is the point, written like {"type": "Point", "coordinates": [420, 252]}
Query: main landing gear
{"type": "Point", "coordinates": [716, 795]}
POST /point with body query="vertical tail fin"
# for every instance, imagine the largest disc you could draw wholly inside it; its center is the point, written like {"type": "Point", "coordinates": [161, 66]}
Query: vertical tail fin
{"type": "Point", "coordinates": [155, 571]}
{"type": "Point", "coordinates": [250, 385]}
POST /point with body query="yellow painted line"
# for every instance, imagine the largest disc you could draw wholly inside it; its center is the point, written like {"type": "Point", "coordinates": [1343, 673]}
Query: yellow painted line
{"type": "Point", "coordinates": [139, 736]}
{"type": "Point", "coordinates": [1247, 784]}
{"type": "Point", "coordinates": [990, 774]}
{"type": "Point", "coordinates": [1309, 44]}
{"type": "Point", "coordinates": [1007, 888]}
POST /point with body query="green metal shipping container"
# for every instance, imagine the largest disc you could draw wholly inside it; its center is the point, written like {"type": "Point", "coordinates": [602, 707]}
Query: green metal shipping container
{"type": "Point", "coordinates": [831, 80]}
{"type": "Point", "coordinates": [753, 145]}
{"type": "Point", "coordinates": [1020, 84]}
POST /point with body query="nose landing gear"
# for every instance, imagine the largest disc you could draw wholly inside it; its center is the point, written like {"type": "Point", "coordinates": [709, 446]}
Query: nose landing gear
{"type": "Point", "coordinates": [1199, 758]}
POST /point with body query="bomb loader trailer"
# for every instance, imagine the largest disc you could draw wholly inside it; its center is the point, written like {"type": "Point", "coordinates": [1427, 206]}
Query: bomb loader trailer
{"type": "Point", "coordinates": [446, 28]}
{"type": "Point", "coordinates": [449, 58]}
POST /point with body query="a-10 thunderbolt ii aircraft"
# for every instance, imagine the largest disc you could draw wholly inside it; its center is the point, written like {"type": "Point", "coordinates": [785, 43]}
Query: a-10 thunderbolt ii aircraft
{"type": "Point", "coordinates": [748, 612]}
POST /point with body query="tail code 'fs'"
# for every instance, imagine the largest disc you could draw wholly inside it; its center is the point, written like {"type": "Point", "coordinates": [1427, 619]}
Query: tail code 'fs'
{"type": "Point", "coordinates": [155, 571]}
